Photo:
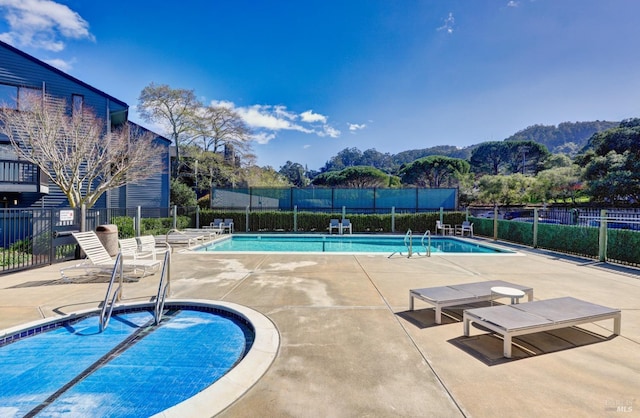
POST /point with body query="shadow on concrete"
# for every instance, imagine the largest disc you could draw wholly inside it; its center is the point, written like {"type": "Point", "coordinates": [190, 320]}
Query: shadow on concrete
{"type": "Point", "coordinates": [488, 347]}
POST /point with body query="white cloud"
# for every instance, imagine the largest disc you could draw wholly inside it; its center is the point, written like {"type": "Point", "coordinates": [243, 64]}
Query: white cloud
{"type": "Point", "coordinates": [263, 137]}
{"type": "Point", "coordinates": [353, 127]}
{"type": "Point", "coordinates": [513, 3]}
{"type": "Point", "coordinates": [42, 24]}
{"type": "Point", "coordinates": [267, 120]}
{"type": "Point", "coordinates": [311, 117]}
{"type": "Point", "coordinates": [329, 131]}
{"type": "Point", "coordinates": [305, 146]}
{"type": "Point", "coordinates": [449, 22]}
{"type": "Point", "coordinates": [59, 64]}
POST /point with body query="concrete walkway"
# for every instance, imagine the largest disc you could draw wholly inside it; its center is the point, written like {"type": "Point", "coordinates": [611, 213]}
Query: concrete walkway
{"type": "Point", "coordinates": [350, 348]}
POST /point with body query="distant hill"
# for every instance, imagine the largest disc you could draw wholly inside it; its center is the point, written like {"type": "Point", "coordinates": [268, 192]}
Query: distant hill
{"type": "Point", "coordinates": [568, 137]}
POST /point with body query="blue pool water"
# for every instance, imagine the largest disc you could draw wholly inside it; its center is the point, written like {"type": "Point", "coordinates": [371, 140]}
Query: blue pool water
{"type": "Point", "coordinates": [73, 370]}
{"type": "Point", "coordinates": [343, 243]}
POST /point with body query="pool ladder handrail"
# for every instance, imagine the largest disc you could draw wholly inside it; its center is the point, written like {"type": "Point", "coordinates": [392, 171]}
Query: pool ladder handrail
{"type": "Point", "coordinates": [107, 306]}
{"type": "Point", "coordinates": [408, 242]}
{"type": "Point", "coordinates": [164, 288]}
{"type": "Point", "coordinates": [427, 248]}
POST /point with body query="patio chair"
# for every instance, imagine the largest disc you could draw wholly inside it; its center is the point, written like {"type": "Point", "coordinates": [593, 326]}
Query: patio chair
{"type": "Point", "coordinates": [461, 294]}
{"type": "Point", "coordinates": [543, 315]}
{"type": "Point", "coordinates": [446, 229]}
{"type": "Point", "coordinates": [346, 224]}
{"type": "Point", "coordinates": [217, 223]}
{"type": "Point", "coordinates": [99, 261]}
{"type": "Point", "coordinates": [228, 225]}
{"type": "Point", "coordinates": [465, 227]}
{"type": "Point", "coordinates": [334, 224]}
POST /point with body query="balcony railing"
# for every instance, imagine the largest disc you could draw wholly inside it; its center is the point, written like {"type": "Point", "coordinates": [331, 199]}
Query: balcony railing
{"type": "Point", "coordinates": [21, 176]}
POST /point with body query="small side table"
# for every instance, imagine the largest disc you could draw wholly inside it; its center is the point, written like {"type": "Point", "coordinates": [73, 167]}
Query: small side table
{"type": "Point", "coordinates": [510, 292]}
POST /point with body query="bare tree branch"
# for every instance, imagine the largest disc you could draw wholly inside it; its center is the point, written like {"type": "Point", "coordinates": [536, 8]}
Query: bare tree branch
{"type": "Point", "coordinates": [80, 155]}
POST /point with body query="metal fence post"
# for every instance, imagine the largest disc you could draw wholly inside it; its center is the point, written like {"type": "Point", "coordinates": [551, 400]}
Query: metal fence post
{"type": "Point", "coordinates": [535, 227]}
{"type": "Point", "coordinates": [441, 215]}
{"type": "Point", "coordinates": [393, 219]}
{"type": "Point", "coordinates": [83, 218]}
{"type": "Point", "coordinates": [138, 221]}
{"type": "Point", "coordinates": [197, 217]}
{"type": "Point", "coordinates": [175, 217]}
{"type": "Point", "coordinates": [495, 223]}
{"type": "Point", "coordinates": [295, 218]}
{"type": "Point", "coordinates": [247, 219]}
{"type": "Point", "coordinates": [602, 239]}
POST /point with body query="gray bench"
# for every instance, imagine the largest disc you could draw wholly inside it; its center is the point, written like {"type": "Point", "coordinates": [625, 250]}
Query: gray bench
{"type": "Point", "coordinates": [543, 315]}
{"type": "Point", "coordinates": [460, 294]}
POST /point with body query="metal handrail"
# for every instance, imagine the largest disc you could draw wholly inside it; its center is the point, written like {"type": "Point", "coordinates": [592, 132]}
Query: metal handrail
{"type": "Point", "coordinates": [408, 242]}
{"type": "Point", "coordinates": [107, 307]}
{"type": "Point", "coordinates": [163, 287]}
{"type": "Point", "coordinates": [428, 246]}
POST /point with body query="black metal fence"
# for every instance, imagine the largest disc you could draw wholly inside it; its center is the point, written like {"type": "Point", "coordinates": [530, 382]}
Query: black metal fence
{"type": "Point", "coordinates": [36, 237]}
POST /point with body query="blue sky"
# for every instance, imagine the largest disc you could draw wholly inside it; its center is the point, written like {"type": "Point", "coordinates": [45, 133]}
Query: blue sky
{"type": "Point", "coordinates": [314, 77]}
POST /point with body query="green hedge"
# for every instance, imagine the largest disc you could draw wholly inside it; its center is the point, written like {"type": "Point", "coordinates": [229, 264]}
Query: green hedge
{"type": "Point", "coordinates": [282, 221]}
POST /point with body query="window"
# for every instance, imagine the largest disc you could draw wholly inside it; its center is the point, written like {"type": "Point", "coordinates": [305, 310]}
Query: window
{"type": "Point", "coordinates": [77, 104]}
{"type": "Point", "coordinates": [8, 95]}
{"type": "Point", "coordinates": [25, 93]}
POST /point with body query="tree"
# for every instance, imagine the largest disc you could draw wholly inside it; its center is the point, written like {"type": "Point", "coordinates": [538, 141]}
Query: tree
{"type": "Point", "coordinates": [173, 108]}
{"type": "Point", "coordinates": [506, 190]}
{"type": "Point", "coordinates": [434, 171]}
{"type": "Point", "coordinates": [508, 157]}
{"type": "Point", "coordinates": [295, 173]}
{"type": "Point", "coordinates": [559, 183]}
{"type": "Point", "coordinates": [359, 177]}
{"type": "Point", "coordinates": [526, 157]}
{"type": "Point", "coordinates": [254, 176]}
{"type": "Point", "coordinates": [612, 167]}
{"type": "Point", "coordinates": [182, 195]}
{"type": "Point", "coordinates": [82, 157]}
{"type": "Point", "coordinates": [490, 157]}
{"type": "Point", "coordinates": [215, 127]}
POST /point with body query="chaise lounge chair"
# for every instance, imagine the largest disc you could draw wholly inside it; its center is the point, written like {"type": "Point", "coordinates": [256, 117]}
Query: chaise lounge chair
{"type": "Point", "coordinates": [99, 261]}
{"type": "Point", "coordinates": [444, 296]}
{"type": "Point", "coordinates": [148, 244]}
{"type": "Point", "coordinates": [544, 315]}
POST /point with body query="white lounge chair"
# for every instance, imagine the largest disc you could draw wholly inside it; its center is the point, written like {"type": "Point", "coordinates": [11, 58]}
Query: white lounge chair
{"type": "Point", "coordinates": [176, 237]}
{"type": "Point", "coordinates": [99, 261]}
{"type": "Point", "coordinates": [130, 249]}
{"type": "Point", "coordinates": [446, 229]}
{"type": "Point", "coordinates": [334, 224]}
{"type": "Point", "coordinates": [444, 296]}
{"type": "Point", "coordinates": [148, 244]}
{"type": "Point", "coordinates": [543, 315]}
{"type": "Point", "coordinates": [344, 225]}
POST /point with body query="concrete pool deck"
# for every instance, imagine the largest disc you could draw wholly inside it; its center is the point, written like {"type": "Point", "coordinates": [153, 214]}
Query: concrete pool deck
{"type": "Point", "coordinates": [349, 346]}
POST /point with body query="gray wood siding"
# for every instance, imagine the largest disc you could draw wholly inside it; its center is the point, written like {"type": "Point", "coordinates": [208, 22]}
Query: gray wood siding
{"type": "Point", "coordinates": [22, 70]}
{"type": "Point", "coordinates": [19, 69]}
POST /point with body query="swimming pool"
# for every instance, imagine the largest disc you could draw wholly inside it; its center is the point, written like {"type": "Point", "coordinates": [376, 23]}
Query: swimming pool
{"type": "Point", "coordinates": [385, 244]}
{"type": "Point", "coordinates": [67, 367]}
